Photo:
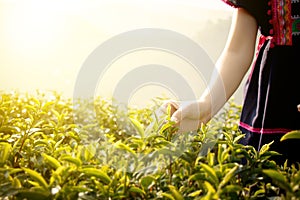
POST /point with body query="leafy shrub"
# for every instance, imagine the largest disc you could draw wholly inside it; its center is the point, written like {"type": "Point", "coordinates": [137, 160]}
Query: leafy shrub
{"type": "Point", "coordinates": [55, 148]}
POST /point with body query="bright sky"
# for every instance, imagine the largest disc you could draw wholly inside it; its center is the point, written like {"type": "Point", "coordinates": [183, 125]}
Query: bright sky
{"type": "Point", "coordinates": [43, 43]}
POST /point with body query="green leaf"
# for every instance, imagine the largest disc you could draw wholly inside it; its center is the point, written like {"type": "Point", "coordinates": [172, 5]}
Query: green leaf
{"type": "Point", "coordinates": [220, 150]}
{"type": "Point", "coordinates": [123, 146]}
{"type": "Point", "coordinates": [4, 152]}
{"type": "Point", "coordinates": [265, 148]}
{"type": "Point", "coordinates": [136, 190]}
{"type": "Point", "coordinates": [58, 173]}
{"type": "Point", "coordinates": [29, 107]}
{"type": "Point", "coordinates": [175, 193]}
{"type": "Point", "coordinates": [232, 188]}
{"type": "Point", "coordinates": [97, 173]}
{"type": "Point", "coordinates": [78, 189]}
{"type": "Point", "coordinates": [16, 183]}
{"type": "Point", "coordinates": [209, 187]}
{"type": "Point", "coordinates": [47, 105]}
{"type": "Point", "coordinates": [33, 195]}
{"type": "Point", "coordinates": [168, 196]}
{"type": "Point", "coordinates": [89, 152]}
{"type": "Point", "coordinates": [228, 177]}
{"type": "Point", "coordinates": [197, 176]}
{"type": "Point", "coordinates": [211, 173]}
{"type": "Point", "coordinates": [37, 177]}
{"type": "Point", "coordinates": [138, 126]}
{"type": "Point", "coordinates": [57, 115]}
{"type": "Point", "coordinates": [34, 130]}
{"type": "Point", "coordinates": [238, 138]}
{"type": "Point", "coordinates": [146, 181]}
{"type": "Point", "coordinates": [10, 129]}
{"type": "Point", "coordinates": [52, 161]}
{"type": "Point", "coordinates": [259, 192]}
{"type": "Point", "coordinates": [279, 179]}
{"type": "Point", "coordinates": [15, 171]}
{"type": "Point", "coordinates": [291, 135]}
{"type": "Point", "coordinates": [166, 152]}
{"type": "Point", "coordinates": [71, 159]}
{"type": "Point", "coordinates": [36, 184]}
{"type": "Point", "coordinates": [195, 194]}
{"type": "Point", "coordinates": [164, 127]}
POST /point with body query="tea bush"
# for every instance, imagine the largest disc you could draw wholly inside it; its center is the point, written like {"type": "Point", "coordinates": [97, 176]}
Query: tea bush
{"type": "Point", "coordinates": [56, 148]}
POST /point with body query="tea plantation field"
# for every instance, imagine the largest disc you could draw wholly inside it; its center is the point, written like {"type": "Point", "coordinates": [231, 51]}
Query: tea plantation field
{"type": "Point", "coordinates": [56, 148]}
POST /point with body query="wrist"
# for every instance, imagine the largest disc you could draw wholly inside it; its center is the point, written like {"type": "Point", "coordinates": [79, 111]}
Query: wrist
{"type": "Point", "coordinates": [205, 111]}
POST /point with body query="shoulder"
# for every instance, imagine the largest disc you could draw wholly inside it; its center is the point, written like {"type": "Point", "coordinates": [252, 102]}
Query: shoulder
{"type": "Point", "coordinates": [261, 10]}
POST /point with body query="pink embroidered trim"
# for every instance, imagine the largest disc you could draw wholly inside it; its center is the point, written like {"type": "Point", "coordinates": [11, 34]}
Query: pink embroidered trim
{"type": "Point", "coordinates": [281, 19]}
{"type": "Point", "coordinates": [264, 130]}
{"type": "Point", "coordinates": [282, 22]}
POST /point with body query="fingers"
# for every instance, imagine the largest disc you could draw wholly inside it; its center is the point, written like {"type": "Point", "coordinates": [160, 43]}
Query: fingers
{"type": "Point", "coordinates": [187, 125]}
{"type": "Point", "coordinates": [186, 114]}
{"type": "Point", "coordinates": [298, 107]}
{"type": "Point", "coordinates": [173, 104]}
{"type": "Point", "coordinates": [177, 116]}
{"type": "Point", "coordinates": [188, 109]}
{"type": "Point", "coordinates": [163, 109]}
{"type": "Point", "coordinates": [187, 117]}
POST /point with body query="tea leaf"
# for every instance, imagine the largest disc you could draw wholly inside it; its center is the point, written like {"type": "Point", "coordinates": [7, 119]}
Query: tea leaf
{"type": "Point", "coordinates": [73, 160]}
{"type": "Point", "coordinates": [169, 196]}
{"type": "Point", "coordinates": [37, 177]}
{"type": "Point", "coordinates": [211, 173]}
{"type": "Point", "coordinates": [47, 105]}
{"type": "Point", "coordinates": [52, 161]}
{"type": "Point", "coordinates": [97, 173]}
{"type": "Point", "coordinates": [232, 188]}
{"type": "Point", "coordinates": [123, 146]}
{"type": "Point", "coordinates": [146, 181]}
{"type": "Point", "coordinates": [10, 129]}
{"type": "Point", "coordinates": [238, 138]}
{"type": "Point", "coordinates": [265, 148]}
{"type": "Point", "coordinates": [209, 187]}
{"type": "Point", "coordinates": [33, 130]}
{"type": "Point", "coordinates": [139, 127]}
{"type": "Point", "coordinates": [197, 176]}
{"type": "Point", "coordinates": [259, 192]}
{"type": "Point", "coordinates": [4, 152]}
{"type": "Point", "coordinates": [15, 171]}
{"type": "Point", "coordinates": [195, 194]}
{"type": "Point", "coordinates": [228, 177]}
{"type": "Point", "coordinates": [175, 193]}
{"type": "Point", "coordinates": [136, 190]}
{"type": "Point", "coordinates": [33, 195]}
{"type": "Point", "coordinates": [164, 127]}
{"type": "Point", "coordinates": [291, 135]}
{"type": "Point", "coordinates": [278, 179]}
{"type": "Point", "coordinates": [16, 183]}
{"type": "Point", "coordinates": [34, 183]}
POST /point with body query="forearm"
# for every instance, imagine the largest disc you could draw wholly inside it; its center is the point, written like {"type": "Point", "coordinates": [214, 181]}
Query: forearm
{"type": "Point", "coordinates": [227, 77]}
{"type": "Point", "coordinates": [232, 65]}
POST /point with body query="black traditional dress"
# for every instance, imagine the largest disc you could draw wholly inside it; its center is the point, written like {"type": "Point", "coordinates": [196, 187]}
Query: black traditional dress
{"type": "Point", "coordinates": [272, 91]}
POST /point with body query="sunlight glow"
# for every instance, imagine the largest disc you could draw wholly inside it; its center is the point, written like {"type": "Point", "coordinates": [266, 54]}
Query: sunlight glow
{"type": "Point", "coordinates": [43, 43]}
{"type": "Point", "coordinates": [34, 26]}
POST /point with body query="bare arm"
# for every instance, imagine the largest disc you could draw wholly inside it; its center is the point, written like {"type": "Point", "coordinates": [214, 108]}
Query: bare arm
{"type": "Point", "coordinates": [231, 67]}
{"type": "Point", "coordinates": [233, 63]}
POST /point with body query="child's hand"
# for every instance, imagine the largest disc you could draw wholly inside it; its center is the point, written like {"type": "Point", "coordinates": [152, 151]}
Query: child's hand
{"type": "Point", "coordinates": [186, 114]}
{"type": "Point", "coordinates": [173, 104]}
